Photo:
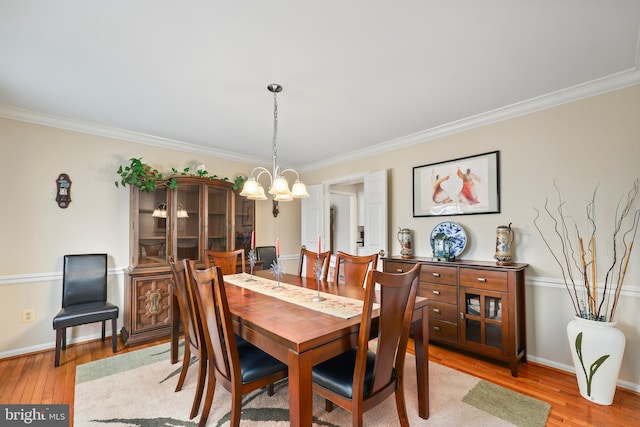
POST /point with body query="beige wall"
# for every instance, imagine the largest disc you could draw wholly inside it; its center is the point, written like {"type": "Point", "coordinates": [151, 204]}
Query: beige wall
{"type": "Point", "coordinates": [579, 145]}
{"type": "Point", "coordinates": [595, 141]}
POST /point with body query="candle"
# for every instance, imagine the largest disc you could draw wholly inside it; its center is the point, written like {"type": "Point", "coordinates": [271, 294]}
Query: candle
{"type": "Point", "coordinates": [277, 247]}
{"type": "Point", "coordinates": [253, 239]}
{"type": "Point", "coordinates": [319, 244]}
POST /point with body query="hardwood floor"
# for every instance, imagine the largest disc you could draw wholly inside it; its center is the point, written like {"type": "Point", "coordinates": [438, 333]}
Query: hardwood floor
{"type": "Point", "coordinates": [33, 379]}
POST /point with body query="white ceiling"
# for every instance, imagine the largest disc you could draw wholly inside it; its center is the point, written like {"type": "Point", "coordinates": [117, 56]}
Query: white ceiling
{"type": "Point", "coordinates": [358, 76]}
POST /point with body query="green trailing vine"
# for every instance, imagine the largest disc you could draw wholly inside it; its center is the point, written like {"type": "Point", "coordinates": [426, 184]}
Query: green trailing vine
{"type": "Point", "coordinates": [594, 366]}
{"type": "Point", "coordinates": [144, 176]}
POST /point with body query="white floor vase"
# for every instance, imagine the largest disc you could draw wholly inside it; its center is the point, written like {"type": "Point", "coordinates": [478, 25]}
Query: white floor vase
{"type": "Point", "coordinates": [597, 349]}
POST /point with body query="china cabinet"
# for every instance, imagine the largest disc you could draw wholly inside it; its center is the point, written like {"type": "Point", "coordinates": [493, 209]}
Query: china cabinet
{"type": "Point", "coordinates": [199, 214]}
{"type": "Point", "coordinates": [476, 306]}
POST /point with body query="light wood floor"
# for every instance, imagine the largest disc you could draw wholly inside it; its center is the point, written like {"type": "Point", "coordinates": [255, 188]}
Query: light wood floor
{"type": "Point", "coordinates": [33, 379]}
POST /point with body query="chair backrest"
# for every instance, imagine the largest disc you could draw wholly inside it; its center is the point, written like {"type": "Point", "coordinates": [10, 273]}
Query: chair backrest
{"type": "Point", "coordinates": [227, 261]}
{"type": "Point", "coordinates": [354, 268]}
{"type": "Point", "coordinates": [84, 279]}
{"type": "Point", "coordinates": [217, 326]}
{"type": "Point", "coordinates": [266, 254]}
{"type": "Point", "coordinates": [307, 263]}
{"type": "Point", "coordinates": [186, 302]}
{"type": "Point", "coordinates": [396, 294]}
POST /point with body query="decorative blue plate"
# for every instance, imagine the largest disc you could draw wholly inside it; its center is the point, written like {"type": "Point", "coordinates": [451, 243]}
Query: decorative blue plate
{"type": "Point", "coordinates": [456, 234]}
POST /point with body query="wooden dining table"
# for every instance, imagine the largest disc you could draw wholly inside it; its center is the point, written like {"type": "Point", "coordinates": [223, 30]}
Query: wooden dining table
{"type": "Point", "coordinates": [302, 337]}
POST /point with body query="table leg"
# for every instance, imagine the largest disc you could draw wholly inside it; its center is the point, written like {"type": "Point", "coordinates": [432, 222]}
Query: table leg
{"type": "Point", "coordinates": [300, 389]}
{"type": "Point", "coordinates": [421, 343]}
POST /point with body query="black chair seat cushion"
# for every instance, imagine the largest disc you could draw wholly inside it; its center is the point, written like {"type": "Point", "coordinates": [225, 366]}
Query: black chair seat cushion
{"type": "Point", "coordinates": [80, 314]}
{"type": "Point", "coordinates": [336, 374]}
{"type": "Point", "coordinates": [255, 363]}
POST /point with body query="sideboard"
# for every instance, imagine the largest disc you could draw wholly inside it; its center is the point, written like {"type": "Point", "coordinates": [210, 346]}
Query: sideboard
{"type": "Point", "coordinates": [476, 306]}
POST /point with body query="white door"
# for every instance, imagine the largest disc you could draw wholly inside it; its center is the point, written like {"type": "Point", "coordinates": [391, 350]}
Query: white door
{"type": "Point", "coordinates": [312, 218]}
{"type": "Point", "coordinates": [375, 214]}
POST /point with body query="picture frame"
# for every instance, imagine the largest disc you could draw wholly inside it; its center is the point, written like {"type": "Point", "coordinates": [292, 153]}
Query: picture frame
{"type": "Point", "coordinates": [247, 213]}
{"type": "Point", "coordinates": [463, 186]}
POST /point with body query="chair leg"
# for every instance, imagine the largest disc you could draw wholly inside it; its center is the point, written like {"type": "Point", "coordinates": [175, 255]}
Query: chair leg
{"type": "Point", "coordinates": [402, 407]}
{"type": "Point", "coordinates": [104, 322]}
{"type": "Point", "coordinates": [202, 376]}
{"type": "Point", "coordinates": [236, 408]}
{"type": "Point", "coordinates": [211, 388]}
{"type": "Point", "coordinates": [114, 334]}
{"type": "Point", "coordinates": [64, 338]}
{"type": "Point", "coordinates": [270, 391]}
{"type": "Point", "coordinates": [59, 334]}
{"type": "Point", "coordinates": [186, 359]}
{"type": "Point", "coordinates": [328, 405]}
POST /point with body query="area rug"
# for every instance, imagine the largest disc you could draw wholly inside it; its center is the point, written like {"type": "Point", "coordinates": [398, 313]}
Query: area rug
{"type": "Point", "coordinates": [137, 389]}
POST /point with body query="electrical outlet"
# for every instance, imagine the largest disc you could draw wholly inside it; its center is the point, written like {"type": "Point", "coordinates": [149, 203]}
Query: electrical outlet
{"type": "Point", "coordinates": [28, 315]}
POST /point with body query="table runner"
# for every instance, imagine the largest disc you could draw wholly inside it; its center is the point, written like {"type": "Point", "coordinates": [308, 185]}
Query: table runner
{"type": "Point", "coordinates": [334, 305]}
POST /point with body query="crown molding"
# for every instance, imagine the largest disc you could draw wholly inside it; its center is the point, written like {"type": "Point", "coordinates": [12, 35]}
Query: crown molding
{"type": "Point", "coordinates": [596, 87]}
{"type": "Point", "coordinates": [44, 119]}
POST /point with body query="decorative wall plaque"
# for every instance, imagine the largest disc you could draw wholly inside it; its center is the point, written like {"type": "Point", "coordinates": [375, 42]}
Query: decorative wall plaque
{"type": "Point", "coordinates": [63, 195]}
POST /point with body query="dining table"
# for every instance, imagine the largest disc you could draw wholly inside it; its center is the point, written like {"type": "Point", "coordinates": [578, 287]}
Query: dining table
{"type": "Point", "coordinates": [303, 335]}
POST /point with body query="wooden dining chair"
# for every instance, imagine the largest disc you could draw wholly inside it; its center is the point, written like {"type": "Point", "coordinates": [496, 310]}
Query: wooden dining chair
{"type": "Point", "coordinates": [360, 379]}
{"type": "Point", "coordinates": [354, 268]}
{"type": "Point", "coordinates": [227, 261]}
{"type": "Point", "coordinates": [193, 340]}
{"type": "Point", "coordinates": [238, 365]}
{"type": "Point", "coordinates": [307, 263]}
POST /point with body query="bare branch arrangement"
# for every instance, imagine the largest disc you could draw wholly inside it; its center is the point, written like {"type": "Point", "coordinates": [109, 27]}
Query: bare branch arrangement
{"type": "Point", "coordinates": [575, 253]}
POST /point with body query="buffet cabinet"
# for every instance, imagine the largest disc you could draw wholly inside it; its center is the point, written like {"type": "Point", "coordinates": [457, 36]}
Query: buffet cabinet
{"type": "Point", "coordinates": [199, 214]}
{"type": "Point", "coordinates": [473, 305]}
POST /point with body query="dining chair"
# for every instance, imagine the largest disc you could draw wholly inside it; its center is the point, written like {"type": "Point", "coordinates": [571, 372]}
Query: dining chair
{"type": "Point", "coordinates": [84, 299]}
{"type": "Point", "coordinates": [193, 341]}
{"type": "Point", "coordinates": [226, 260]}
{"type": "Point", "coordinates": [238, 365]}
{"type": "Point", "coordinates": [266, 254]}
{"type": "Point", "coordinates": [359, 379]}
{"type": "Point", "coordinates": [307, 263]}
{"type": "Point", "coordinates": [354, 268]}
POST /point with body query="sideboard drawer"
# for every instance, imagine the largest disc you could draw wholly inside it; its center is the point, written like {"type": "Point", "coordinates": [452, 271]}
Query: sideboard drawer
{"type": "Point", "coordinates": [441, 293]}
{"type": "Point", "coordinates": [443, 331]}
{"type": "Point", "coordinates": [485, 279]}
{"type": "Point", "coordinates": [397, 267]}
{"type": "Point", "coordinates": [443, 311]}
{"type": "Point", "coordinates": [437, 274]}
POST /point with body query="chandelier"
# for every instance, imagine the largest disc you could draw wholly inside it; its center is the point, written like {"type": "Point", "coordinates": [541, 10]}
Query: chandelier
{"type": "Point", "coordinates": [278, 185]}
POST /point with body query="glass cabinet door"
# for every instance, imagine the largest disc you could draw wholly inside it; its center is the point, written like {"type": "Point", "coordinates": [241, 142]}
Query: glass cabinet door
{"type": "Point", "coordinates": [482, 315]}
{"type": "Point", "coordinates": [217, 221]}
{"type": "Point", "coordinates": [186, 211]}
{"type": "Point", "coordinates": [152, 228]}
{"type": "Point", "coordinates": [245, 222]}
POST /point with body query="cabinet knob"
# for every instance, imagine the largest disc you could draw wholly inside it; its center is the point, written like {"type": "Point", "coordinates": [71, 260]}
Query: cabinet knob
{"type": "Point", "coordinates": [436, 310]}
{"type": "Point", "coordinates": [482, 279]}
{"type": "Point", "coordinates": [436, 328]}
{"type": "Point", "coordinates": [435, 274]}
{"type": "Point", "coordinates": [436, 292]}
{"type": "Point", "coordinates": [399, 270]}
{"type": "Point", "coordinates": [461, 316]}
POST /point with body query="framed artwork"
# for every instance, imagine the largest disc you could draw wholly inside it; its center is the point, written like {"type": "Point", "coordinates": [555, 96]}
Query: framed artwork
{"type": "Point", "coordinates": [464, 186]}
{"type": "Point", "coordinates": [247, 213]}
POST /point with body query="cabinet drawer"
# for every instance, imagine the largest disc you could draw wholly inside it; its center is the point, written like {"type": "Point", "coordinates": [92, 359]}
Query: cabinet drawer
{"type": "Point", "coordinates": [439, 293]}
{"type": "Point", "coordinates": [484, 279]}
{"type": "Point", "coordinates": [443, 311]}
{"type": "Point", "coordinates": [437, 274]}
{"type": "Point", "coordinates": [397, 267]}
{"type": "Point", "coordinates": [444, 331]}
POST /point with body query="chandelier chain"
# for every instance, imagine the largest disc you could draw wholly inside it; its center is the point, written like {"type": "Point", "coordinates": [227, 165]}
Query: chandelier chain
{"type": "Point", "coordinates": [275, 129]}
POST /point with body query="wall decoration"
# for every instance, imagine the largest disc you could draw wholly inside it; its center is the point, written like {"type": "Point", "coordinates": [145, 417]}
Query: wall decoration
{"type": "Point", "coordinates": [464, 186]}
{"type": "Point", "coordinates": [63, 193]}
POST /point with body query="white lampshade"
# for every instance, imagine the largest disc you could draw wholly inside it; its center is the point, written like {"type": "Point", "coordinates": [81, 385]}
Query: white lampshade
{"type": "Point", "coordinates": [280, 186]}
{"type": "Point", "coordinates": [259, 195]}
{"type": "Point", "coordinates": [250, 188]}
{"type": "Point", "coordinates": [299, 190]}
{"type": "Point", "coordinates": [160, 211]}
{"type": "Point", "coordinates": [283, 197]}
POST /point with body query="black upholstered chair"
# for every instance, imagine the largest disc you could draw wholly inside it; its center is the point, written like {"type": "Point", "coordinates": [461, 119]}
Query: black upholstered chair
{"type": "Point", "coordinates": [266, 254]}
{"type": "Point", "coordinates": [360, 379]}
{"type": "Point", "coordinates": [84, 298]}
{"type": "Point", "coordinates": [238, 365]}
